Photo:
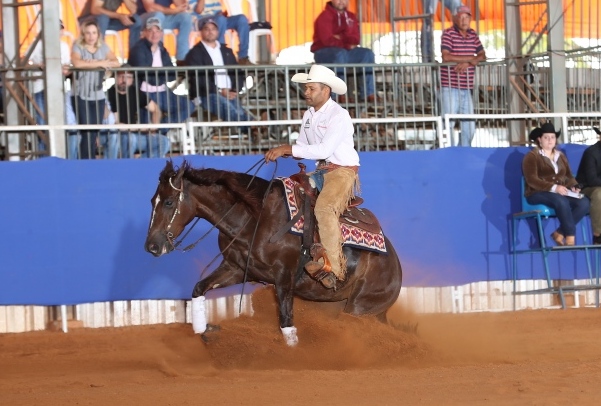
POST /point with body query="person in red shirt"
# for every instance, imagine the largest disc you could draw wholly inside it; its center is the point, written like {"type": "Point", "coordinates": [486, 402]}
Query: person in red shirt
{"type": "Point", "coordinates": [336, 40]}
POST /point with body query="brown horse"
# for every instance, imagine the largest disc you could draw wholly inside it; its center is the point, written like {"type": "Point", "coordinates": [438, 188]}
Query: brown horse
{"type": "Point", "coordinates": [234, 203]}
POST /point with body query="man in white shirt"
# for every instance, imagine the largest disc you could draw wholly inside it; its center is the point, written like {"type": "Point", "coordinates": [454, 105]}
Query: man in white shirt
{"type": "Point", "coordinates": [217, 89]}
{"type": "Point", "coordinates": [327, 136]}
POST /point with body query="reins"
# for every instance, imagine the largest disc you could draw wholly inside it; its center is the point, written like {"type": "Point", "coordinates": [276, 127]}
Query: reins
{"type": "Point", "coordinates": [191, 246]}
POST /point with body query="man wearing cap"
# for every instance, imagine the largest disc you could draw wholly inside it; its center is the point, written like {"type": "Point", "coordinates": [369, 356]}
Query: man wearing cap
{"type": "Point", "coordinates": [461, 52]}
{"type": "Point", "coordinates": [173, 18]}
{"type": "Point", "coordinates": [327, 137]}
{"type": "Point", "coordinates": [107, 16]}
{"type": "Point", "coordinates": [336, 40]}
{"type": "Point", "coordinates": [238, 23]}
{"type": "Point", "coordinates": [217, 89]}
{"type": "Point", "coordinates": [150, 52]}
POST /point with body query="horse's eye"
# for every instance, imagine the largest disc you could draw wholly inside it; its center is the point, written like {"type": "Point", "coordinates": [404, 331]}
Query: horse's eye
{"type": "Point", "coordinates": [168, 203]}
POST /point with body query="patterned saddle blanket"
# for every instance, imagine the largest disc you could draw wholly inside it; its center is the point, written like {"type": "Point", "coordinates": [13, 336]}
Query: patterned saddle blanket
{"type": "Point", "coordinates": [359, 226]}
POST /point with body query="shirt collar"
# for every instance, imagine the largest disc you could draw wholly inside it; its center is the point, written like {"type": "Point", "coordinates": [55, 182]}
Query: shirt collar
{"type": "Point", "coordinates": [324, 107]}
{"type": "Point", "coordinates": [207, 46]}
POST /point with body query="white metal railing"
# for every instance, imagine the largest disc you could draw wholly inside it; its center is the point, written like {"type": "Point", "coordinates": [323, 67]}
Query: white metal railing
{"type": "Point", "coordinates": [204, 126]}
{"type": "Point", "coordinates": [448, 139]}
{"type": "Point", "coordinates": [58, 144]}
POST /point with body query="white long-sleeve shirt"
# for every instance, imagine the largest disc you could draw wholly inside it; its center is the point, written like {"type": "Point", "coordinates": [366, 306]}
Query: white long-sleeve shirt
{"type": "Point", "coordinates": [37, 58]}
{"type": "Point", "coordinates": [327, 134]}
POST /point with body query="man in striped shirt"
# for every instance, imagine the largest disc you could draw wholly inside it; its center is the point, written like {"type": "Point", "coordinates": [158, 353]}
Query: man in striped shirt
{"type": "Point", "coordinates": [461, 52]}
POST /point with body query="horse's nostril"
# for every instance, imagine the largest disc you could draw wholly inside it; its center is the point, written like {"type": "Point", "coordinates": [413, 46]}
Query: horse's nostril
{"type": "Point", "coordinates": [153, 248]}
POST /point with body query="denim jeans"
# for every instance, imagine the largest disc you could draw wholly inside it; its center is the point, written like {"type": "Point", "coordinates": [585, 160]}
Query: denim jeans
{"type": "Point", "coordinates": [89, 112]}
{"type": "Point", "coordinates": [316, 178]}
{"type": "Point", "coordinates": [334, 55]}
{"type": "Point", "coordinates": [181, 22]}
{"type": "Point", "coordinates": [569, 210]}
{"type": "Point", "coordinates": [110, 144]}
{"type": "Point", "coordinates": [177, 108]}
{"type": "Point", "coordinates": [238, 23]}
{"type": "Point", "coordinates": [148, 145]}
{"type": "Point", "coordinates": [459, 101]}
{"type": "Point", "coordinates": [40, 101]}
{"type": "Point", "coordinates": [427, 34]}
{"type": "Point", "coordinates": [73, 140]}
{"type": "Point", "coordinates": [73, 137]}
{"type": "Point", "coordinates": [106, 23]}
{"type": "Point", "coordinates": [224, 108]}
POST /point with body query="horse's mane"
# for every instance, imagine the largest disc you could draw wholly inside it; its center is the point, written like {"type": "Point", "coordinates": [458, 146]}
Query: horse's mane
{"type": "Point", "coordinates": [236, 183]}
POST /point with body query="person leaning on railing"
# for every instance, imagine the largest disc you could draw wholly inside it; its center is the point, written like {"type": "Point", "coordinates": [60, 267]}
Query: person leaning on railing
{"type": "Point", "coordinates": [460, 45]}
{"type": "Point", "coordinates": [549, 181]}
{"type": "Point", "coordinates": [94, 57]}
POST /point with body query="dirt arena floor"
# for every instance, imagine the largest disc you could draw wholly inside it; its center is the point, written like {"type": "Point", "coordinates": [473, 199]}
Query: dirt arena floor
{"type": "Point", "coordinates": [541, 357]}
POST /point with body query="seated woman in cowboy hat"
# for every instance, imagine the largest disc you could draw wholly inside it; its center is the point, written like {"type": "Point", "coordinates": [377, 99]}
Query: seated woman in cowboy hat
{"type": "Point", "coordinates": [548, 180]}
{"type": "Point", "coordinates": [326, 136]}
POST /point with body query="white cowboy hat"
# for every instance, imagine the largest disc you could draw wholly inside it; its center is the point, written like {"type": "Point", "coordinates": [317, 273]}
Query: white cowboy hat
{"type": "Point", "coordinates": [321, 74]}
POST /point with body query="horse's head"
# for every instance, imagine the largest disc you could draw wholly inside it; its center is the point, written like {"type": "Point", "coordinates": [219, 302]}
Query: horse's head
{"type": "Point", "coordinates": [171, 211]}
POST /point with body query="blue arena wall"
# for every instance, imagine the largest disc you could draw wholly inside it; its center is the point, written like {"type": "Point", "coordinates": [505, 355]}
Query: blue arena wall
{"type": "Point", "coordinates": [73, 231]}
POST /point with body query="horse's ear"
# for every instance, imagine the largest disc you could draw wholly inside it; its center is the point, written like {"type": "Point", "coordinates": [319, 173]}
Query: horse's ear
{"type": "Point", "coordinates": [180, 173]}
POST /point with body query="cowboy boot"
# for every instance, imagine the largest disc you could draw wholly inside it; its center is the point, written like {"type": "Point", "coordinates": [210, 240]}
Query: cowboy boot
{"type": "Point", "coordinates": [321, 271]}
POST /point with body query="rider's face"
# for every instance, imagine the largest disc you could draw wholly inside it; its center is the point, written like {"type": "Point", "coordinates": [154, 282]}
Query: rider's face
{"type": "Point", "coordinates": [316, 94]}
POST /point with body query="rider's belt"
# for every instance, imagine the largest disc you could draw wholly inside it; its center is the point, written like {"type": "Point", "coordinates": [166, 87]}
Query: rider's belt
{"type": "Point", "coordinates": [328, 166]}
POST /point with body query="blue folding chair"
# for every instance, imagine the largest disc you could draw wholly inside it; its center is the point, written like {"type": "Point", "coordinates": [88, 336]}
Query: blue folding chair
{"type": "Point", "coordinates": [540, 212]}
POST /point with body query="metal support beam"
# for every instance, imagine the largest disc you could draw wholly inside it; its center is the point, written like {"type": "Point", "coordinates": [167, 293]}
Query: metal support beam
{"type": "Point", "coordinates": [55, 94]}
{"type": "Point", "coordinates": [556, 50]}
{"type": "Point", "coordinates": [10, 38]}
{"type": "Point", "coordinates": [515, 67]}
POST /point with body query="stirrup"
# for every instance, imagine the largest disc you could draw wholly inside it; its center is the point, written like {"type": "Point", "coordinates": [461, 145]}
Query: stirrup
{"type": "Point", "coordinates": [317, 271]}
{"type": "Point", "coordinates": [319, 252]}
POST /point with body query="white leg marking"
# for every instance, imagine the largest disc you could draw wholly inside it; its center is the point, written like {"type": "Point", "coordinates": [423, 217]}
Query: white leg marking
{"type": "Point", "coordinates": [199, 315]}
{"type": "Point", "coordinates": [289, 334]}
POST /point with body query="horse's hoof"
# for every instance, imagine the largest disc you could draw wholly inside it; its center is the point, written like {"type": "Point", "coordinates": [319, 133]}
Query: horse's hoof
{"type": "Point", "coordinates": [211, 328]}
{"type": "Point", "coordinates": [207, 337]}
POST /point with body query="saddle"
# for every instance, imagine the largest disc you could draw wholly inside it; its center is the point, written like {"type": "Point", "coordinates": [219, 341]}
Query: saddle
{"type": "Point", "coordinates": [353, 215]}
{"type": "Point", "coordinates": [302, 195]}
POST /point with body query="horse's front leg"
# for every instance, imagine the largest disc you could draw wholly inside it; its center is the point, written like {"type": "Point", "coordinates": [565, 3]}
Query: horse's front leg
{"type": "Point", "coordinates": [285, 297]}
{"type": "Point", "coordinates": [224, 275]}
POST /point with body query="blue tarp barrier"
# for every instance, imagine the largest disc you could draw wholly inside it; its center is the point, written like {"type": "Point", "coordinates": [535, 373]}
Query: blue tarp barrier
{"type": "Point", "coordinates": [73, 231]}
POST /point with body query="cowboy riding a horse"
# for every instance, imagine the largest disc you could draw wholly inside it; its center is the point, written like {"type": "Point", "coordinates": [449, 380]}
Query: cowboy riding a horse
{"type": "Point", "coordinates": [350, 258]}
